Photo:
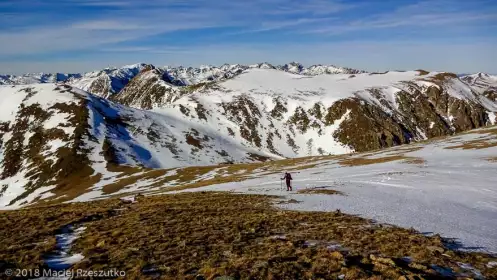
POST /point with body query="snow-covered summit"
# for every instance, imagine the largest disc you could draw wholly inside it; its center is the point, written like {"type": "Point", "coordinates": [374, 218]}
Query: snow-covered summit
{"type": "Point", "coordinates": [481, 80]}
{"type": "Point", "coordinates": [292, 67]}
{"type": "Point", "coordinates": [109, 81]}
{"type": "Point", "coordinates": [329, 69]}
{"type": "Point", "coordinates": [263, 65]}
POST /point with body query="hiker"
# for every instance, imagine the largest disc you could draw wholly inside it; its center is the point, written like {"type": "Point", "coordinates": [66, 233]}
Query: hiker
{"type": "Point", "coordinates": [287, 177]}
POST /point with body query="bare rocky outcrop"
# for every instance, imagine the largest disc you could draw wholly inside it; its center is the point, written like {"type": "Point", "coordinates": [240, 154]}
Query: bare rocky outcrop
{"type": "Point", "coordinates": [246, 114]}
{"type": "Point", "coordinates": [146, 90]}
{"type": "Point", "coordinates": [101, 86]}
{"type": "Point", "coordinates": [366, 126]}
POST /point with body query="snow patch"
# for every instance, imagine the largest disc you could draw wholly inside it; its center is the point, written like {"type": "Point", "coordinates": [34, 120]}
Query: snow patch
{"type": "Point", "coordinates": [473, 271]}
{"type": "Point", "coordinates": [39, 193]}
{"type": "Point", "coordinates": [492, 117]}
{"type": "Point", "coordinates": [62, 259]}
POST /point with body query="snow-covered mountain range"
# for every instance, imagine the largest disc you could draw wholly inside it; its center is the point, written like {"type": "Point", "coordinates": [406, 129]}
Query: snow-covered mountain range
{"type": "Point", "coordinates": [111, 80]}
{"type": "Point", "coordinates": [84, 128]}
{"type": "Point", "coordinates": [36, 78]}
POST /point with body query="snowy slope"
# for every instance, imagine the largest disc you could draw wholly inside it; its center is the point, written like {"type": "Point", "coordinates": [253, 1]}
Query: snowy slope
{"type": "Point", "coordinates": [55, 135]}
{"type": "Point", "coordinates": [481, 81]}
{"type": "Point", "coordinates": [294, 115]}
{"type": "Point", "coordinates": [35, 124]}
{"type": "Point", "coordinates": [445, 186]}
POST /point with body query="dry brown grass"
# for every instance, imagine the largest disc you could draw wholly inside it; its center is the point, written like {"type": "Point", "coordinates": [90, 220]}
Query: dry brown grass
{"type": "Point", "coordinates": [208, 235]}
{"type": "Point", "coordinates": [357, 161]}
{"type": "Point", "coordinates": [481, 143]}
{"type": "Point", "coordinates": [319, 191]}
{"type": "Point", "coordinates": [290, 201]}
{"type": "Point", "coordinates": [188, 177]}
{"type": "Point", "coordinates": [235, 172]}
{"type": "Point", "coordinates": [474, 144]}
{"type": "Point", "coordinates": [232, 173]}
{"type": "Point", "coordinates": [125, 170]}
{"type": "Point", "coordinates": [74, 186]}
{"type": "Point", "coordinates": [492, 159]}
{"type": "Point", "coordinates": [422, 72]}
{"type": "Point", "coordinates": [443, 76]}
{"type": "Point", "coordinates": [415, 161]}
{"type": "Point", "coordinates": [28, 234]}
{"type": "Point", "coordinates": [238, 172]}
{"type": "Point", "coordinates": [398, 150]}
{"type": "Point", "coordinates": [486, 130]}
{"type": "Point", "coordinates": [132, 176]}
{"type": "Point", "coordinates": [297, 163]}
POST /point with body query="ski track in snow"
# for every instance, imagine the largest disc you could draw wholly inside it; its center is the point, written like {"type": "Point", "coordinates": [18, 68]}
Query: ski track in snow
{"type": "Point", "coordinates": [453, 193]}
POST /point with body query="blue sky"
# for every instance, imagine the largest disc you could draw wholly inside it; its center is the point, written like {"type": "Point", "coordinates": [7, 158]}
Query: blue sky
{"type": "Point", "coordinates": [83, 35]}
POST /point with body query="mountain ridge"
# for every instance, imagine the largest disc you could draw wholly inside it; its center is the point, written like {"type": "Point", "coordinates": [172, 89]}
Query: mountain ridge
{"type": "Point", "coordinates": [179, 72]}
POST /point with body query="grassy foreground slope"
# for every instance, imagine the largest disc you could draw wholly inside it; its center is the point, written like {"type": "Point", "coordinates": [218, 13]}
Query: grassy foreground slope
{"type": "Point", "coordinates": [208, 235]}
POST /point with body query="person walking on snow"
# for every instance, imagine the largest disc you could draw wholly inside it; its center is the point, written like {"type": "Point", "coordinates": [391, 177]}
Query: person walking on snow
{"type": "Point", "coordinates": [288, 178]}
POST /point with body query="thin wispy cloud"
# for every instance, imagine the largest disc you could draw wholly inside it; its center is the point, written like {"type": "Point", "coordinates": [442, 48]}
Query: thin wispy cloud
{"type": "Point", "coordinates": [102, 3]}
{"type": "Point", "coordinates": [51, 30]}
{"type": "Point", "coordinates": [278, 25]}
{"type": "Point", "coordinates": [150, 50]}
{"type": "Point", "coordinates": [109, 25]}
{"type": "Point", "coordinates": [419, 20]}
{"type": "Point", "coordinates": [441, 13]}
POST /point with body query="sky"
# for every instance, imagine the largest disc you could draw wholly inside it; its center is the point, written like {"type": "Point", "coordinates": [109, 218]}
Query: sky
{"type": "Point", "coordinates": [83, 35]}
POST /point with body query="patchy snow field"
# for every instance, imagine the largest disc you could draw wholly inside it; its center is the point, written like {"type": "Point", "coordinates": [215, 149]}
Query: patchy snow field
{"type": "Point", "coordinates": [448, 190]}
